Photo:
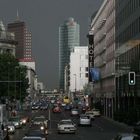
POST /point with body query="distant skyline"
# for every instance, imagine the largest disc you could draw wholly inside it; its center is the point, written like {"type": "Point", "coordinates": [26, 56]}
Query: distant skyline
{"type": "Point", "coordinates": [43, 18]}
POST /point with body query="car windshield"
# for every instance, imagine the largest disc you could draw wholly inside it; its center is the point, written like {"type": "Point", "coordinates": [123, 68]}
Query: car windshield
{"type": "Point", "coordinates": [84, 117]}
{"type": "Point", "coordinates": [65, 122]}
{"type": "Point", "coordinates": [14, 119]}
{"type": "Point", "coordinates": [95, 109]}
{"type": "Point", "coordinates": [39, 119]}
{"type": "Point", "coordinates": [89, 113]}
{"type": "Point", "coordinates": [35, 133]}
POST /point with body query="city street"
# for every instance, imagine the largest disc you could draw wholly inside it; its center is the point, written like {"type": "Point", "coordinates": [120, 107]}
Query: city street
{"type": "Point", "coordinates": [102, 128]}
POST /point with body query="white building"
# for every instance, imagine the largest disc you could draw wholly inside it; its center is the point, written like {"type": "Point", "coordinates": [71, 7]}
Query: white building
{"type": "Point", "coordinates": [40, 86]}
{"type": "Point", "coordinates": [32, 77]}
{"type": "Point", "coordinates": [78, 68]}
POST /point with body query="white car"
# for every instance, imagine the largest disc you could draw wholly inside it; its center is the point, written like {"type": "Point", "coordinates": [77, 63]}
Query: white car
{"type": "Point", "coordinates": [11, 128]}
{"type": "Point", "coordinates": [40, 120]}
{"type": "Point", "coordinates": [96, 112]}
{"type": "Point", "coordinates": [90, 114]}
{"type": "Point", "coordinates": [66, 126]}
{"type": "Point", "coordinates": [74, 112]}
{"type": "Point", "coordinates": [85, 120]}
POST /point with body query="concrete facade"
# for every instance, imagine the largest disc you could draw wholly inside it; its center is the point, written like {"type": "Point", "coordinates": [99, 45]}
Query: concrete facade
{"type": "Point", "coordinates": [103, 27]}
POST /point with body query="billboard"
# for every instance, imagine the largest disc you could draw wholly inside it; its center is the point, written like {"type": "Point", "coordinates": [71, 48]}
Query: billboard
{"type": "Point", "coordinates": [95, 74]}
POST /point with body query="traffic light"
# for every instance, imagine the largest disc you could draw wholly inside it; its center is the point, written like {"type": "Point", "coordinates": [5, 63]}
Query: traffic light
{"type": "Point", "coordinates": [131, 78]}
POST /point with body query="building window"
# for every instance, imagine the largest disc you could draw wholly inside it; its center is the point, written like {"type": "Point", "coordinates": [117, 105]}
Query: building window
{"type": "Point", "coordinates": [86, 75]}
{"type": "Point", "coordinates": [86, 68]}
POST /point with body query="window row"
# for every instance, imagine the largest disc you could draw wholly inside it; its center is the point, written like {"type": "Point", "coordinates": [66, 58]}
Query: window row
{"type": "Point", "coordinates": [128, 10]}
{"type": "Point", "coordinates": [129, 32]}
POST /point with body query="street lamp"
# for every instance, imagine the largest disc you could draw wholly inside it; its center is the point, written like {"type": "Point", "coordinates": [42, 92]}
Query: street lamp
{"type": "Point", "coordinates": [16, 67]}
{"type": "Point", "coordinates": [20, 88]}
{"type": "Point", "coordinates": [8, 80]}
{"type": "Point", "coordinates": [75, 82]}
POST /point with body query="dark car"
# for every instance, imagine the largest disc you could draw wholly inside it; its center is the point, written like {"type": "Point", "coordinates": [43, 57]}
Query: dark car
{"type": "Point", "coordinates": [136, 128]}
{"type": "Point", "coordinates": [67, 107]}
{"type": "Point", "coordinates": [40, 127]}
{"type": "Point", "coordinates": [36, 133]}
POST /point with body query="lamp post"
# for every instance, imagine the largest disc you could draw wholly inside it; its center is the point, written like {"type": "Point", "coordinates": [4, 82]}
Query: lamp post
{"type": "Point", "coordinates": [20, 88]}
{"type": "Point", "coordinates": [75, 82]}
{"type": "Point", "coordinates": [8, 80]}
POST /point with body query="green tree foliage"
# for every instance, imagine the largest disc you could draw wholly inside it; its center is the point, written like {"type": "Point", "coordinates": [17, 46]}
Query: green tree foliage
{"type": "Point", "coordinates": [13, 81]}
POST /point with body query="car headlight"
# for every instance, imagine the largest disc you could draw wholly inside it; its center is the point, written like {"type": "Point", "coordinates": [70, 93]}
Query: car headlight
{"type": "Point", "coordinates": [42, 127]}
{"type": "Point", "coordinates": [24, 121]}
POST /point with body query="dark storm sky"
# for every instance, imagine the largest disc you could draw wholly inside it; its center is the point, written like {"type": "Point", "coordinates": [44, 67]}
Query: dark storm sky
{"type": "Point", "coordinates": [43, 18]}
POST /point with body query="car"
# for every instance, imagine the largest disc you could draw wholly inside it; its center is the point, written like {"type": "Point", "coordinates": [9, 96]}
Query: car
{"type": "Point", "coordinates": [32, 138]}
{"type": "Point", "coordinates": [126, 136]}
{"type": "Point", "coordinates": [67, 107]}
{"type": "Point", "coordinates": [36, 133]}
{"type": "Point", "coordinates": [35, 107]}
{"type": "Point", "coordinates": [40, 120]}
{"type": "Point", "coordinates": [11, 128]}
{"type": "Point", "coordinates": [66, 126]}
{"type": "Point", "coordinates": [44, 107]}
{"type": "Point", "coordinates": [40, 127]}
{"type": "Point", "coordinates": [74, 112]}
{"type": "Point", "coordinates": [63, 104]}
{"type": "Point", "coordinates": [90, 114]}
{"type": "Point", "coordinates": [52, 101]}
{"type": "Point", "coordinates": [16, 121]}
{"type": "Point", "coordinates": [96, 112]}
{"type": "Point", "coordinates": [85, 120]}
{"type": "Point", "coordinates": [136, 128]}
{"type": "Point", "coordinates": [57, 109]}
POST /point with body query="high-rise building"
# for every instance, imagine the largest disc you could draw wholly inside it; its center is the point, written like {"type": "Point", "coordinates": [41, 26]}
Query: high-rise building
{"type": "Point", "coordinates": [68, 38]}
{"type": "Point", "coordinates": [23, 36]}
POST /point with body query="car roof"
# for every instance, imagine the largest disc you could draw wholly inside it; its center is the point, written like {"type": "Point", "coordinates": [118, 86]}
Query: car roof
{"type": "Point", "coordinates": [66, 120]}
{"type": "Point", "coordinates": [31, 138]}
{"type": "Point", "coordinates": [127, 134]}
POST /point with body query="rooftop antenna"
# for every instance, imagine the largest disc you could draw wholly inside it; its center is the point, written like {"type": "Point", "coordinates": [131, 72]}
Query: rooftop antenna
{"type": "Point", "coordinates": [17, 15]}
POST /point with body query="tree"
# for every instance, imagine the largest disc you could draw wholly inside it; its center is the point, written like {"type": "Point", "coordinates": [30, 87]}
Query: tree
{"type": "Point", "coordinates": [13, 81]}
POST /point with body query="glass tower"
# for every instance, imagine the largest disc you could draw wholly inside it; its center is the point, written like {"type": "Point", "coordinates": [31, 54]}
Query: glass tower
{"type": "Point", "coordinates": [68, 39]}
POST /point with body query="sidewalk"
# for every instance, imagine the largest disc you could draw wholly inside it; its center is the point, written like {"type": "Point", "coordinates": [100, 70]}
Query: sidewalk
{"type": "Point", "coordinates": [121, 124]}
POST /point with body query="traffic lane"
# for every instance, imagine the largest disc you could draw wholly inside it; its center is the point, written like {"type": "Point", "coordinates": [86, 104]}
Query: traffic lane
{"type": "Point", "coordinates": [101, 128]}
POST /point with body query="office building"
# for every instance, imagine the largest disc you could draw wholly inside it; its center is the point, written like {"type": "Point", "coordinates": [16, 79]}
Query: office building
{"type": "Point", "coordinates": [23, 37]}
{"type": "Point", "coordinates": [128, 55]}
{"type": "Point", "coordinates": [103, 27]}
